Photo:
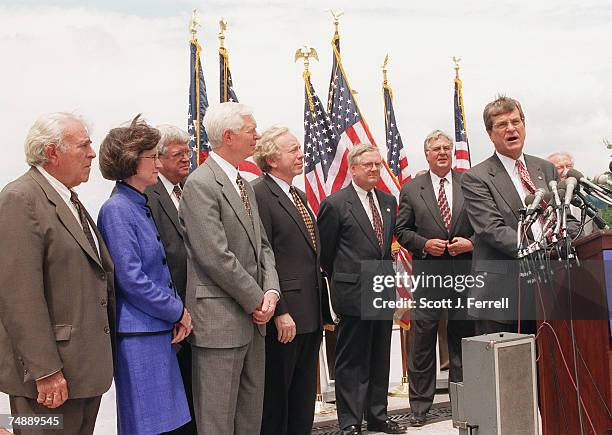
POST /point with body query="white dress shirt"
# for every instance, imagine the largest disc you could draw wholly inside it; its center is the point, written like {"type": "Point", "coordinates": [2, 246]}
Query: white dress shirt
{"type": "Point", "coordinates": [365, 202]}
{"type": "Point", "coordinates": [512, 170]}
{"type": "Point", "coordinates": [170, 189]}
{"type": "Point", "coordinates": [448, 187]}
{"type": "Point", "coordinates": [65, 194]}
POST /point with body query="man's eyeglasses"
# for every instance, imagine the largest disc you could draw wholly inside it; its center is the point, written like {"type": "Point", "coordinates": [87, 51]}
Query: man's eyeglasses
{"type": "Point", "coordinates": [180, 154]}
{"type": "Point", "coordinates": [500, 126]}
{"type": "Point", "coordinates": [374, 165]}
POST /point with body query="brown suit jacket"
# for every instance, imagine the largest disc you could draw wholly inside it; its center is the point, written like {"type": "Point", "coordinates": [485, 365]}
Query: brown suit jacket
{"type": "Point", "coordinates": [56, 295]}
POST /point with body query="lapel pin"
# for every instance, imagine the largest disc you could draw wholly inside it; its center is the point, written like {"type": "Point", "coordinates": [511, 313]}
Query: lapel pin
{"type": "Point", "coordinates": [540, 177]}
{"type": "Point", "coordinates": [388, 210]}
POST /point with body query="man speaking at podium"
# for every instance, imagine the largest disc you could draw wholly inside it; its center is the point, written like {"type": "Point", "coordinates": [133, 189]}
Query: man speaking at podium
{"type": "Point", "coordinates": [494, 191]}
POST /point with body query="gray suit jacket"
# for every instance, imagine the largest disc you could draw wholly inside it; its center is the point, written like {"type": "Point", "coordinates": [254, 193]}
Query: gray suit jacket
{"type": "Point", "coordinates": [230, 264]}
{"type": "Point", "coordinates": [492, 204]}
{"type": "Point", "coordinates": [57, 302]}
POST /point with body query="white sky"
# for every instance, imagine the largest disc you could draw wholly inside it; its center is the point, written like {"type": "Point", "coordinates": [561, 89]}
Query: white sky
{"type": "Point", "coordinates": [108, 60]}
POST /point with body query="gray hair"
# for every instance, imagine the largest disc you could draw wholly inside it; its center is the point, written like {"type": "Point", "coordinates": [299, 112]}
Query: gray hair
{"type": "Point", "coordinates": [435, 135]}
{"type": "Point", "coordinates": [267, 146]}
{"type": "Point", "coordinates": [560, 154]}
{"type": "Point", "coordinates": [47, 129]}
{"type": "Point", "coordinates": [170, 134]}
{"type": "Point", "coordinates": [224, 116]}
{"type": "Point", "coordinates": [354, 155]}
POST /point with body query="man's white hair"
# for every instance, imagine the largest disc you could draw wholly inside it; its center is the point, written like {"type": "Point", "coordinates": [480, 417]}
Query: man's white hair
{"type": "Point", "coordinates": [47, 129]}
{"type": "Point", "coordinates": [224, 116]}
{"type": "Point", "coordinates": [170, 134]}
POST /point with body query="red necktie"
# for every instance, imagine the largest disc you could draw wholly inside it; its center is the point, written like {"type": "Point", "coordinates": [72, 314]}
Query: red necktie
{"type": "Point", "coordinates": [443, 204]}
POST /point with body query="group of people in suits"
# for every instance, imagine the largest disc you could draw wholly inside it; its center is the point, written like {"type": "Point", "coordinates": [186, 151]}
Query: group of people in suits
{"type": "Point", "coordinates": [202, 293]}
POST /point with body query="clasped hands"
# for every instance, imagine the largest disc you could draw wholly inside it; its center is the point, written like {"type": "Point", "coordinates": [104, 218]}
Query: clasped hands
{"type": "Point", "coordinates": [183, 328]}
{"type": "Point", "coordinates": [456, 246]}
{"type": "Point", "coordinates": [265, 311]}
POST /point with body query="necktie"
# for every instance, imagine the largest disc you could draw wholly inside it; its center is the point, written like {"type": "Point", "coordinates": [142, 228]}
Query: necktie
{"type": "Point", "coordinates": [445, 210]}
{"type": "Point", "coordinates": [525, 177]}
{"type": "Point", "coordinates": [376, 220]}
{"type": "Point", "coordinates": [243, 195]}
{"type": "Point", "coordinates": [74, 199]}
{"type": "Point", "coordinates": [177, 191]}
{"type": "Point", "coordinates": [305, 215]}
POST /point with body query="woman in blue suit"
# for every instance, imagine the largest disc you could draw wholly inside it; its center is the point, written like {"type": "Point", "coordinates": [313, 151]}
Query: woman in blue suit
{"type": "Point", "coordinates": [150, 315]}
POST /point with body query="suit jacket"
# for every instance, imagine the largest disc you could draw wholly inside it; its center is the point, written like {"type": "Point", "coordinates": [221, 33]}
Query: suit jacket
{"type": "Point", "coordinates": [419, 219]}
{"type": "Point", "coordinates": [297, 260]}
{"type": "Point", "coordinates": [165, 216]}
{"type": "Point", "coordinates": [230, 263]}
{"type": "Point", "coordinates": [146, 298]}
{"type": "Point", "coordinates": [492, 204]}
{"type": "Point", "coordinates": [56, 294]}
{"type": "Point", "coordinates": [348, 239]}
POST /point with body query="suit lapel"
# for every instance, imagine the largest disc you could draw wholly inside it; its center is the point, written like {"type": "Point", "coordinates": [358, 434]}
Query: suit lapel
{"type": "Point", "coordinates": [361, 217]}
{"type": "Point", "coordinates": [233, 198]}
{"type": "Point", "coordinates": [504, 185]}
{"type": "Point", "coordinates": [457, 199]}
{"type": "Point", "coordinates": [535, 172]}
{"type": "Point", "coordinates": [167, 205]}
{"type": "Point", "coordinates": [67, 217]}
{"type": "Point", "coordinates": [429, 198]}
{"type": "Point", "coordinates": [289, 207]}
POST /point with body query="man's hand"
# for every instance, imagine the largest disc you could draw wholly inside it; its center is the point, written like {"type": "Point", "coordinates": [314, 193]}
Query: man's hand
{"type": "Point", "coordinates": [186, 320]}
{"type": "Point", "coordinates": [459, 245]}
{"type": "Point", "coordinates": [435, 247]}
{"type": "Point", "coordinates": [52, 390]}
{"type": "Point", "coordinates": [286, 328]}
{"type": "Point", "coordinates": [179, 333]}
{"type": "Point", "coordinates": [265, 311]}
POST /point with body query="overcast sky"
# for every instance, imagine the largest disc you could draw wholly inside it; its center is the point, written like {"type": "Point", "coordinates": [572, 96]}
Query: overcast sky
{"type": "Point", "coordinates": [109, 60]}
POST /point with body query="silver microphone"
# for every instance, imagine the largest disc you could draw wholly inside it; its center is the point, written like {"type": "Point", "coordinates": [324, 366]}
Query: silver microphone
{"type": "Point", "coordinates": [570, 185]}
{"type": "Point", "coordinates": [535, 202]}
{"type": "Point", "coordinates": [553, 188]}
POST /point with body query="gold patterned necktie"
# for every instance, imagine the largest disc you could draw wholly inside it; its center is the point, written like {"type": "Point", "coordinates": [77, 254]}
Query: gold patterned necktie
{"type": "Point", "coordinates": [443, 204]}
{"type": "Point", "coordinates": [243, 195]}
{"type": "Point", "coordinates": [305, 215]}
{"type": "Point", "coordinates": [376, 220]}
{"type": "Point", "coordinates": [74, 199]}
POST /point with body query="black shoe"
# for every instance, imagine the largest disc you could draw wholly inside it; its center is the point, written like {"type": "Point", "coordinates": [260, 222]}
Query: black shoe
{"type": "Point", "coordinates": [352, 430]}
{"type": "Point", "coordinates": [416, 420]}
{"type": "Point", "coordinates": [387, 426]}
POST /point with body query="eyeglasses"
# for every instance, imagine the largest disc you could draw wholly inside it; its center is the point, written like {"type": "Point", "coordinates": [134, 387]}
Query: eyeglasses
{"type": "Point", "coordinates": [155, 157]}
{"type": "Point", "coordinates": [437, 149]}
{"type": "Point", "coordinates": [500, 126]}
{"type": "Point", "coordinates": [375, 165]}
{"type": "Point", "coordinates": [180, 154]}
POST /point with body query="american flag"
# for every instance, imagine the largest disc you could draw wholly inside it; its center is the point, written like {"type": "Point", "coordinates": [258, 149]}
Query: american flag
{"type": "Point", "coordinates": [462, 146]}
{"type": "Point", "coordinates": [396, 155]}
{"type": "Point", "coordinates": [348, 121]}
{"type": "Point", "coordinates": [248, 168]}
{"type": "Point", "coordinates": [325, 165]}
{"type": "Point", "coordinates": [198, 103]}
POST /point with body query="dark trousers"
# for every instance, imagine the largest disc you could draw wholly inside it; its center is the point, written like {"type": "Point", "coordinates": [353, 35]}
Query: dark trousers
{"type": "Point", "coordinates": [291, 383]}
{"type": "Point", "coordinates": [79, 415]}
{"type": "Point", "coordinates": [421, 360]}
{"type": "Point", "coordinates": [362, 370]}
{"type": "Point", "coordinates": [184, 360]}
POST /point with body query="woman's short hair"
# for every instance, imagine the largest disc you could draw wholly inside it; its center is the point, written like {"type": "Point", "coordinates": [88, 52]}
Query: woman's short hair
{"type": "Point", "coordinates": [122, 146]}
{"type": "Point", "coordinates": [267, 147]}
{"type": "Point", "coordinates": [48, 129]}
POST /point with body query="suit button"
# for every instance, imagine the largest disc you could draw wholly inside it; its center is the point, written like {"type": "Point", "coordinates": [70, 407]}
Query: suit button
{"type": "Point", "coordinates": [25, 371]}
{"type": "Point", "coordinates": [103, 302]}
{"type": "Point", "coordinates": [106, 330]}
{"type": "Point", "coordinates": [103, 276]}
{"type": "Point", "coordinates": [164, 261]}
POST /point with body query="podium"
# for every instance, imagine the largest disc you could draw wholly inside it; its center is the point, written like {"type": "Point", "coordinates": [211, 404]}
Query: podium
{"type": "Point", "coordinates": [590, 286]}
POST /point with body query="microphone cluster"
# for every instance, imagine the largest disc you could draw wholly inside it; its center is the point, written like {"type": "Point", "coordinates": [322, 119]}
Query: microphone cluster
{"type": "Point", "coordinates": [543, 225]}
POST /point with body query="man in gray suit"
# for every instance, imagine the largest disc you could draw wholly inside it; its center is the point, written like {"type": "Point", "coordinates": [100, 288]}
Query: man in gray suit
{"type": "Point", "coordinates": [57, 304]}
{"type": "Point", "coordinates": [232, 285]}
{"type": "Point", "coordinates": [494, 191]}
{"type": "Point", "coordinates": [163, 200]}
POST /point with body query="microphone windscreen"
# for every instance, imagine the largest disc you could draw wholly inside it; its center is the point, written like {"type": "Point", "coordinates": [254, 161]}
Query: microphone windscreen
{"type": "Point", "coordinates": [561, 186]}
{"type": "Point", "coordinates": [561, 192]}
{"type": "Point", "coordinates": [601, 180]}
{"type": "Point", "coordinates": [574, 173]}
{"type": "Point", "coordinates": [610, 166]}
{"type": "Point", "coordinates": [529, 199]}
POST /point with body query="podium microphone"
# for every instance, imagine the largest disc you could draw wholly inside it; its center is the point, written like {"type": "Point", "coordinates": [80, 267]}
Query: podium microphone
{"type": "Point", "coordinates": [570, 185]}
{"type": "Point", "coordinates": [533, 201]}
{"type": "Point", "coordinates": [586, 182]}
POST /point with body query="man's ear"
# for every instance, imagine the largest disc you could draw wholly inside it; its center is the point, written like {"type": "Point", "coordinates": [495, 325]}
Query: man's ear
{"type": "Point", "coordinates": [271, 162]}
{"type": "Point", "coordinates": [227, 136]}
{"type": "Point", "coordinates": [51, 152]}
